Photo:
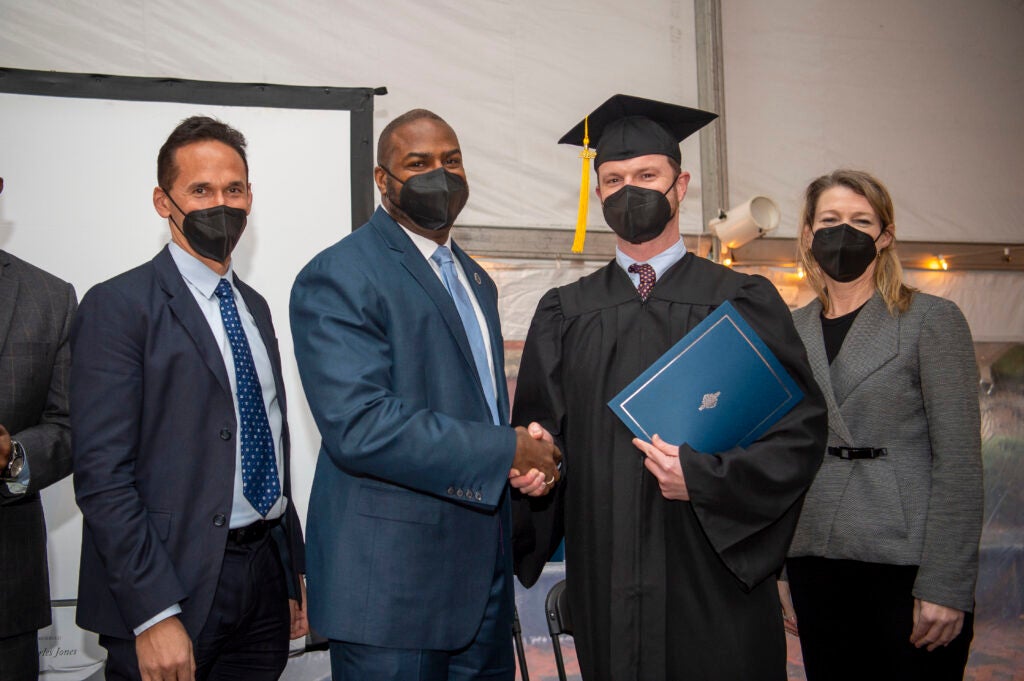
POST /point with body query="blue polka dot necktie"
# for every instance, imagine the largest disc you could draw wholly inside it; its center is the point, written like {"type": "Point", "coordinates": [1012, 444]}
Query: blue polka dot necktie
{"type": "Point", "coordinates": [647, 277]}
{"type": "Point", "coordinates": [260, 484]}
{"type": "Point", "coordinates": [443, 257]}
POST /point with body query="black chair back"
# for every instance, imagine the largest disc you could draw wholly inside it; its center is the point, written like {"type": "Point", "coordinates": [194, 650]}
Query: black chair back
{"type": "Point", "coordinates": [559, 619]}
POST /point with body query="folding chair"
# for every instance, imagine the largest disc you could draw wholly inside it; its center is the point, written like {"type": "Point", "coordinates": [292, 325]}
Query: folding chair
{"type": "Point", "coordinates": [559, 619]}
{"type": "Point", "coordinates": [517, 637]}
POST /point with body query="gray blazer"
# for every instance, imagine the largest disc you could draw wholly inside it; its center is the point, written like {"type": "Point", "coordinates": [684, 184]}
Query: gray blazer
{"type": "Point", "coordinates": [35, 319]}
{"type": "Point", "coordinates": [908, 384]}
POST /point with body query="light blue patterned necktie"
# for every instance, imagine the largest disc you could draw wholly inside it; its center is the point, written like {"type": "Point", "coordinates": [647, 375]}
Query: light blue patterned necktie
{"type": "Point", "coordinates": [443, 257]}
{"type": "Point", "coordinates": [260, 484]}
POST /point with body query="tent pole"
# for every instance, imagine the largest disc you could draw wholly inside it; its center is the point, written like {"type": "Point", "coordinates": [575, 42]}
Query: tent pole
{"type": "Point", "coordinates": [714, 162]}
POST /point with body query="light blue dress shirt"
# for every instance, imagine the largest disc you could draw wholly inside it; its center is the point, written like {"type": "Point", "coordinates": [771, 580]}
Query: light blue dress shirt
{"type": "Point", "coordinates": [426, 247]}
{"type": "Point", "coordinates": [661, 262]}
{"type": "Point", "coordinates": [202, 281]}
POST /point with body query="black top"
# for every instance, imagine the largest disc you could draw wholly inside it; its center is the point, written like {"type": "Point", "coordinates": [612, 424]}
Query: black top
{"type": "Point", "coordinates": [834, 331]}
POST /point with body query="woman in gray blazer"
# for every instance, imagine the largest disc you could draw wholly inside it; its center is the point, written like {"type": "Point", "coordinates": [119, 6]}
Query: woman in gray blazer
{"type": "Point", "coordinates": [885, 557]}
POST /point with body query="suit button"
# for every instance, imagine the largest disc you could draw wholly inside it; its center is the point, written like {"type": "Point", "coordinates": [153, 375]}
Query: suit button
{"type": "Point", "coordinates": [479, 497]}
{"type": "Point", "coordinates": [451, 491]}
{"type": "Point", "coordinates": [469, 494]}
{"type": "Point", "coordinates": [225, 434]}
{"type": "Point", "coordinates": [219, 520]}
{"type": "Point", "coordinates": [458, 492]}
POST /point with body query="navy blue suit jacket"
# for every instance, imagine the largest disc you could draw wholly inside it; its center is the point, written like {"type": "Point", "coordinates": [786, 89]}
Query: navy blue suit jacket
{"type": "Point", "coordinates": [153, 439]}
{"type": "Point", "coordinates": [409, 506]}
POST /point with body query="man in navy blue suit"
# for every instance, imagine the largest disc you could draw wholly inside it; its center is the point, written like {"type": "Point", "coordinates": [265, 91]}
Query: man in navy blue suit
{"type": "Point", "coordinates": [400, 351]}
{"type": "Point", "coordinates": [192, 553]}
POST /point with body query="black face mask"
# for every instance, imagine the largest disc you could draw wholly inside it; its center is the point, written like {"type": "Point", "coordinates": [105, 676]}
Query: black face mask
{"type": "Point", "coordinates": [432, 200]}
{"type": "Point", "coordinates": [637, 214]}
{"type": "Point", "coordinates": [212, 232]}
{"type": "Point", "coordinates": [843, 252]}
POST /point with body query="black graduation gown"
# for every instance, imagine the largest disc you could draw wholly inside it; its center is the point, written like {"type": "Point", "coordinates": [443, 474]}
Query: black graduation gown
{"type": "Point", "coordinates": [662, 589]}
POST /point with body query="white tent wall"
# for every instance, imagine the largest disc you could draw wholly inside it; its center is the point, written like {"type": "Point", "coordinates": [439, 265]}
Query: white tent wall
{"type": "Point", "coordinates": [925, 94]}
{"type": "Point", "coordinates": [509, 75]}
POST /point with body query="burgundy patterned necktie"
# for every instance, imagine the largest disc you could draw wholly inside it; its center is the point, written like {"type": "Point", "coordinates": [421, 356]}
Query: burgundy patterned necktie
{"type": "Point", "coordinates": [646, 273]}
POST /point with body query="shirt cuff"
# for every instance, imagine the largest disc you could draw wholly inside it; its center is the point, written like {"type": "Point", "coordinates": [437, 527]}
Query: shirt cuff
{"type": "Point", "coordinates": [169, 612]}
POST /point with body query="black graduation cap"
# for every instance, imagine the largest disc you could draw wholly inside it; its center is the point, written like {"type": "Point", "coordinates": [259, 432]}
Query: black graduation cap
{"type": "Point", "coordinates": [626, 126]}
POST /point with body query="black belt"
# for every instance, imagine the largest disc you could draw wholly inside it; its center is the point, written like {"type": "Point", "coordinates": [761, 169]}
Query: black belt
{"type": "Point", "coordinates": [252, 533]}
{"type": "Point", "coordinates": [857, 452]}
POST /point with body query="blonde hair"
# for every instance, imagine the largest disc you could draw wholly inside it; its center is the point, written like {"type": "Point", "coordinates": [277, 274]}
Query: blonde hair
{"type": "Point", "coordinates": [888, 271]}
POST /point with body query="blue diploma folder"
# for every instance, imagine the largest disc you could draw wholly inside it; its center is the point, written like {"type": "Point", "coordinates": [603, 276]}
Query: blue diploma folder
{"type": "Point", "coordinates": [717, 388]}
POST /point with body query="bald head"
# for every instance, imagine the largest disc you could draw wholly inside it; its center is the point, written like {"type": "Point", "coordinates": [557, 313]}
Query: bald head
{"type": "Point", "coordinates": [386, 141]}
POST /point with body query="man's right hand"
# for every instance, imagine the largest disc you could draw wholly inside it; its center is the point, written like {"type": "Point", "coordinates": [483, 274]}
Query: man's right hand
{"type": "Point", "coordinates": [165, 652]}
{"type": "Point", "coordinates": [5, 447]}
{"type": "Point", "coordinates": [536, 453]}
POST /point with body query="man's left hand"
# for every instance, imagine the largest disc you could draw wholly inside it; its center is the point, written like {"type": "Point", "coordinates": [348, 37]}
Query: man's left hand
{"type": "Point", "coordinates": [663, 462]}
{"type": "Point", "coordinates": [935, 625]}
{"type": "Point", "coordinates": [300, 623]}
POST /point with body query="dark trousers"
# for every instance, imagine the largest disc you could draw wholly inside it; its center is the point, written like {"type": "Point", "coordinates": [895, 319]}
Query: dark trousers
{"type": "Point", "coordinates": [19, 657]}
{"type": "Point", "coordinates": [488, 656]}
{"type": "Point", "coordinates": [246, 633]}
{"type": "Point", "coordinates": [855, 621]}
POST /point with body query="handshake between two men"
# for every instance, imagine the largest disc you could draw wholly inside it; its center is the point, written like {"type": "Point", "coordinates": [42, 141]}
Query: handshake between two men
{"type": "Point", "coordinates": [537, 455]}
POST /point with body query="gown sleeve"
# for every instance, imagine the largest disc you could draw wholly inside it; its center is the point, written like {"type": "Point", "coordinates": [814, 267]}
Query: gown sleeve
{"type": "Point", "coordinates": [747, 500]}
{"type": "Point", "coordinates": [537, 521]}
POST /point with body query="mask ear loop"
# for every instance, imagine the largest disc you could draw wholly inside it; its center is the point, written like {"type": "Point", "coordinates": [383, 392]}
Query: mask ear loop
{"type": "Point", "coordinates": [670, 188]}
{"type": "Point", "coordinates": [388, 193]}
{"type": "Point", "coordinates": [881, 250]}
{"type": "Point", "coordinates": [175, 203]}
{"type": "Point", "coordinates": [392, 175]}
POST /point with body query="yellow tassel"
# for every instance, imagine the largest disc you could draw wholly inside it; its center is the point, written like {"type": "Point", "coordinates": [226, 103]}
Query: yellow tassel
{"type": "Point", "coordinates": [581, 216]}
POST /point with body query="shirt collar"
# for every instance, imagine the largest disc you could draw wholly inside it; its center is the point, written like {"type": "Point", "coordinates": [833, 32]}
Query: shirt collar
{"type": "Point", "coordinates": [661, 262]}
{"type": "Point", "coordinates": [423, 244]}
{"type": "Point", "coordinates": [196, 273]}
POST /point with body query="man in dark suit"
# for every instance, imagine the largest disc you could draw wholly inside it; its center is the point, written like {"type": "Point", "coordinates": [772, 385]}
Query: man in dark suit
{"type": "Point", "coordinates": [192, 552]}
{"type": "Point", "coordinates": [35, 448]}
{"type": "Point", "coordinates": [400, 352]}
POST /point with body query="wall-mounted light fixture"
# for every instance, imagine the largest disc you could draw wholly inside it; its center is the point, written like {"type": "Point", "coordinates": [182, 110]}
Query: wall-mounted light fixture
{"type": "Point", "coordinates": [744, 223]}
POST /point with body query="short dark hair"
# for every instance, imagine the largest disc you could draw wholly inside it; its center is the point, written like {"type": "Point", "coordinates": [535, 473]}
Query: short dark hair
{"type": "Point", "coordinates": [195, 129]}
{"type": "Point", "coordinates": [384, 143]}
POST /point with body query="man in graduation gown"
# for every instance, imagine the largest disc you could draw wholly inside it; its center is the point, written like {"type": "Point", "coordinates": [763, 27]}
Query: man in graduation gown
{"type": "Point", "coordinates": [670, 553]}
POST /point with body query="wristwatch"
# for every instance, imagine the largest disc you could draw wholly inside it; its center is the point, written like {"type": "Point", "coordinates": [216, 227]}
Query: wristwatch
{"type": "Point", "coordinates": [16, 463]}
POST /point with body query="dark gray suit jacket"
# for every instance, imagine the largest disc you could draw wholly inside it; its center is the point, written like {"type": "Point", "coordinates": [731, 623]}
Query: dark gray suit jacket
{"type": "Point", "coordinates": [910, 384]}
{"type": "Point", "coordinates": [35, 318]}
